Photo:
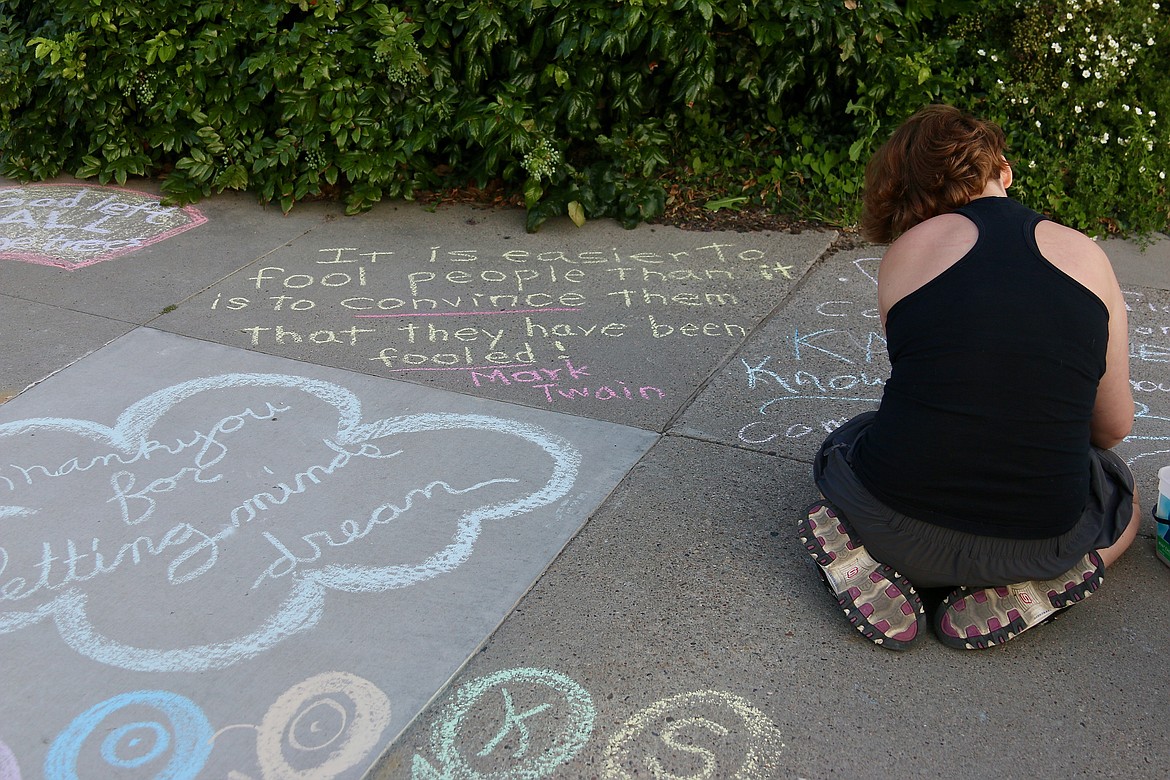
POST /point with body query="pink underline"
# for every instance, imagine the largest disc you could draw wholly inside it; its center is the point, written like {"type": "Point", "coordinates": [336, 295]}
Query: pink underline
{"type": "Point", "coordinates": [458, 368]}
{"type": "Point", "coordinates": [463, 313]}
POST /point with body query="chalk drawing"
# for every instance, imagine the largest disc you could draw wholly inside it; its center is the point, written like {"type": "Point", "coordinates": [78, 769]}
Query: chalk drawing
{"type": "Point", "coordinates": [523, 309]}
{"type": "Point", "coordinates": [72, 226]}
{"type": "Point", "coordinates": [321, 727]}
{"type": "Point", "coordinates": [1149, 430]}
{"type": "Point", "coordinates": [669, 727]}
{"type": "Point", "coordinates": [175, 747]}
{"type": "Point", "coordinates": [714, 734]}
{"type": "Point", "coordinates": [9, 770]}
{"type": "Point", "coordinates": [129, 442]}
{"type": "Point", "coordinates": [562, 724]}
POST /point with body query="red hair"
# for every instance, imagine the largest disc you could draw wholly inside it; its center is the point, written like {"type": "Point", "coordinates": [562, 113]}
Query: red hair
{"type": "Point", "coordinates": [938, 160]}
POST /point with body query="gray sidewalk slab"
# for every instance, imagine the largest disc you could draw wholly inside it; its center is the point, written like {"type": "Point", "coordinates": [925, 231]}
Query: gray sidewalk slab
{"type": "Point", "coordinates": [38, 338]}
{"type": "Point", "coordinates": [217, 537]}
{"type": "Point", "coordinates": [1143, 263]}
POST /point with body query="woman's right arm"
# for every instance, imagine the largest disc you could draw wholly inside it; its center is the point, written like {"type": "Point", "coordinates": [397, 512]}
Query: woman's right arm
{"type": "Point", "coordinates": [1083, 259]}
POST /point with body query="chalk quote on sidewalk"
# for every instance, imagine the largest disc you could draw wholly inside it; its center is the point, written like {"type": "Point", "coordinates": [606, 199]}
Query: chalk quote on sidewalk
{"type": "Point", "coordinates": [545, 324]}
{"type": "Point", "coordinates": [72, 226]}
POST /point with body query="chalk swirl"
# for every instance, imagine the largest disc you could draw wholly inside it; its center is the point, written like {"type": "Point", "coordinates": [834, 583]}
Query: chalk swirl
{"type": "Point", "coordinates": [172, 746]}
{"type": "Point", "coordinates": [321, 727]}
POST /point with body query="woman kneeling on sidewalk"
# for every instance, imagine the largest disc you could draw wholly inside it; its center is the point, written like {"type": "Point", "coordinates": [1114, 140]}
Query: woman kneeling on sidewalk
{"type": "Point", "coordinates": [987, 467]}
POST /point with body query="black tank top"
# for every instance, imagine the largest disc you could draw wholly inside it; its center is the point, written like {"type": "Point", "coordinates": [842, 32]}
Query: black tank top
{"type": "Point", "coordinates": [984, 423]}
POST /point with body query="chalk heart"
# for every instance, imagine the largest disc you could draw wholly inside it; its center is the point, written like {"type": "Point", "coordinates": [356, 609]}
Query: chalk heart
{"type": "Point", "coordinates": [304, 605]}
{"type": "Point", "coordinates": [72, 226]}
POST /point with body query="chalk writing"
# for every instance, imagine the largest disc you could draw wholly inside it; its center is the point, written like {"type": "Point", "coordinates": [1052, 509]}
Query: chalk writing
{"type": "Point", "coordinates": [561, 724]}
{"type": "Point", "coordinates": [9, 769]}
{"type": "Point", "coordinates": [671, 733]}
{"type": "Point", "coordinates": [458, 311]}
{"type": "Point", "coordinates": [350, 531]}
{"type": "Point", "coordinates": [55, 577]}
{"type": "Point", "coordinates": [565, 382]}
{"type": "Point", "coordinates": [707, 734]}
{"type": "Point", "coordinates": [174, 746]}
{"type": "Point", "coordinates": [73, 226]}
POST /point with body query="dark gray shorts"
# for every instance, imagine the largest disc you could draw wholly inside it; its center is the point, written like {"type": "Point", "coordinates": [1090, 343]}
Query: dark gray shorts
{"type": "Point", "coordinates": [932, 556]}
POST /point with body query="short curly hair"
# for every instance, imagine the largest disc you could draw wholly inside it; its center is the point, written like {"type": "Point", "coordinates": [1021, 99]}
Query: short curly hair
{"type": "Point", "coordinates": [936, 161]}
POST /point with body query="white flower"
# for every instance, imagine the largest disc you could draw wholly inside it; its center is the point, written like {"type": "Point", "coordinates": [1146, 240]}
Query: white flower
{"type": "Point", "coordinates": [1077, 109]}
{"type": "Point", "coordinates": [1162, 174]}
{"type": "Point", "coordinates": [1086, 73]}
{"type": "Point", "coordinates": [1137, 110]}
{"type": "Point", "coordinates": [1064, 85]}
{"type": "Point", "coordinates": [981, 52]}
{"type": "Point", "coordinates": [1100, 104]}
{"type": "Point", "coordinates": [1105, 138]}
{"type": "Point", "coordinates": [994, 58]}
{"type": "Point", "coordinates": [1125, 106]}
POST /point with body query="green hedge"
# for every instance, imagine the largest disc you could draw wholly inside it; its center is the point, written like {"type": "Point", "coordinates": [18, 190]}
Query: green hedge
{"type": "Point", "coordinates": [586, 107]}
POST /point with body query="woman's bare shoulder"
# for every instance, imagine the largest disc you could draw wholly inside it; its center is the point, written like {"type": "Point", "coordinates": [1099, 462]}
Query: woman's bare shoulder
{"type": "Point", "coordinates": [922, 253]}
{"type": "Point", "coordinates": [1077, 255]}
{"type": "Point", "coordinates": [941, 235]}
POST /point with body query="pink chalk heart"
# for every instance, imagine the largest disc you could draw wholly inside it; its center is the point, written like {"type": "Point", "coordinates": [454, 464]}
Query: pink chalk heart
{"type": "Point", "coordinates": [72, 226]}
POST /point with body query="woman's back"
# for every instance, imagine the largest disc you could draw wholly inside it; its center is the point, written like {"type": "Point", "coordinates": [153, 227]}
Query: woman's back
{"type": "Point", "coordinates": [985, 422]}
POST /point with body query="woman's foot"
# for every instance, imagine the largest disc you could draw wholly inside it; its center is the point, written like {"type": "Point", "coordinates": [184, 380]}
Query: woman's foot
{"type": "Point", "coordinates": [976, 618]}
{"type": "Point", "coordinates": [879, 602]}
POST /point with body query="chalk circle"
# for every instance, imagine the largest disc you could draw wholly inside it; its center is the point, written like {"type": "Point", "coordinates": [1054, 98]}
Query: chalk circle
{"type": "Point", "coordinates": [321, 727]}
{"type": "Point", "coordinates": [9, 769]}
{"type": "Point", "coordinates": [172, 747]}
{"type": "Point", "coordinates": [679, 725]}
{"type": "Point", "coordinates": [572, 714]}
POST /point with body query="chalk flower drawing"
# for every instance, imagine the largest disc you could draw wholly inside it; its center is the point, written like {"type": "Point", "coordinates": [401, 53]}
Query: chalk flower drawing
{"type": "Point", "coordinates": [309, 576]}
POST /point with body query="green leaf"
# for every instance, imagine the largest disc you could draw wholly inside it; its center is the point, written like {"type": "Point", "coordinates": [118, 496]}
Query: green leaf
{"type": "Point", "coordinates": [732, 203]}
{"type": "Point", "coordinates": [577, 213]}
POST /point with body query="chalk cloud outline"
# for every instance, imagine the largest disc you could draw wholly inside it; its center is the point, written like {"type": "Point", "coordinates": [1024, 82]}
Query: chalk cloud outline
{"type": "Point", "coordinates": [304, 606]}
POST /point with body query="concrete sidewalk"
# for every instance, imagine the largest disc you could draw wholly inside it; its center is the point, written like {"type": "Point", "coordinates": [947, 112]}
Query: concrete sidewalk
{"type": "Point", "coordinates": [415, 494]}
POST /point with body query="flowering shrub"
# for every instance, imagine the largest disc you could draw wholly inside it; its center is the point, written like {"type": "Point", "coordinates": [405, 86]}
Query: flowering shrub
{"type": "Point", "coordinates": [1083, 90]}
{"type": "Point", "coordinates": [583, 106]}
